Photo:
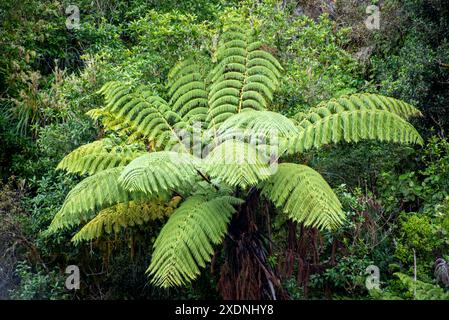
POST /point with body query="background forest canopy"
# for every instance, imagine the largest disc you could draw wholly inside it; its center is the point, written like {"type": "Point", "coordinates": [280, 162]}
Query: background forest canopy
{"type": "Point", "coordinates": [395, 197]}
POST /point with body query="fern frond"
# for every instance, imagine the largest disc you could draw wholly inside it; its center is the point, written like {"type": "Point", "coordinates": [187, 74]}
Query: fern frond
{"type": "Point", "coordinates": [187, 89]}
{"type": "Point", "coordinates": [123, 215]}
{"type": "Point", "coordinates": [115, 92]}
{"type": "Point", "coordinates": [303, 194]}
{"type": "Point", "coordinates": [359, 101]}
{"type": "Point", "coordinates": [96, 156]}
{"type": "Point", "coordinates": [237, 163]}
{"type": "Point", "coordinates": [161, 171]}
{"type": "Point", "coordinates": [244, 77]}
{"type": "Point", "coordinates": [353, 126]}
{"type": "Point", "coordinates": [186, 241]}
{"type": "Point", "coordinates": [90, 195]}
{"type": "Point", "coordinates": [146, 113]}
{"type": "Point", "coordinates": [259, 123]}
{"type": "Point", "coordinates": [112, 123]}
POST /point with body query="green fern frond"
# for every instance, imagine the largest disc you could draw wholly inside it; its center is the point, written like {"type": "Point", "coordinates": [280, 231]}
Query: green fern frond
{"type": "Point", "coordinates": [353, 126]}
{"type": "Point", "coordinates": [112, 123]}
{"type": "Point", "coordinates": [146, 113]}
{"type": "Point", "coordinates": [90, 195]}
{"type": "Point", "coordinates": [115, 92]}
{"type": "Point", "coordinates": [259, 123]}
{"type": "Point", "coordinates": [303, 194]}
{"type": "Point", "coordinates": [187, 89]}
{"type": "Point", "coordinates": [359, 101]}
{"type": "Point", "coordinates": [161, 171]}
{"type": "Point", "coordinates": [186, 241]}
{"type": "Point", "coordinates": [244, 78]}
{"type": "Point", "coordinates": [96, 156]}
{"type": "Point", "coordinates": [123, 215]}
{"type": "Point", "coordinates": [237, 163]}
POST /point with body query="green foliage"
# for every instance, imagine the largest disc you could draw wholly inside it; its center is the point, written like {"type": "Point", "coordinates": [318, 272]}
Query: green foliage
{"type": "Point", "coordinates": [347, 276]}
{"type": "Point", "coordinates": [95, 192]}
{"type": "Point", "coordinates": [416, 290]}
{"type": "Point", "coordinates": [304, 196]}
{"type": "Point", "coordinates": [50, 77]}
{"type": "Point", "coordinates": [239, 88]}
{"type": "Point", "coordinates": [98, 156]}
{"type": "Point", "coordinates": [122, 215]}
{"type": "Point", "coordinates": [352, 126]}
{"type": "Point", "coordinates": [236, 163]}
{"type": "Point", "coordinates": [410, 60]}
{"type": "Point", "coordinates": [422, 290]}
{"type": "Point", "coordinates": [40, 285]}
{"type": "Point", "coordinates": [159, 172]}
{"type": "Point", "coordinates": [420, 234]}
{"type": "Point", "coordinates": [363, 239]}
{"type": "Point", "coordinates": [314, 54]}
{"type": "Point", "coordinates": [187, 239]}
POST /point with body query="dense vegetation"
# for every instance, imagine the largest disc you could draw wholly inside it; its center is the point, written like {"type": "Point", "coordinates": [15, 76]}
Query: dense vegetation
{"type": "Point", "coordinates": [88, 170]}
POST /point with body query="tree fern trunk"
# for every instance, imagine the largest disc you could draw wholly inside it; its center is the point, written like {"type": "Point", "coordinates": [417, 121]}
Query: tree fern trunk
{"type": "Point", "coordinates": [246, 273]}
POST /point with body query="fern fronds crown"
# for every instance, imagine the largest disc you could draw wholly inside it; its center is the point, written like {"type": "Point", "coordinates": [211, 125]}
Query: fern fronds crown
{"type": "Point", "coordinates": [236, 163]}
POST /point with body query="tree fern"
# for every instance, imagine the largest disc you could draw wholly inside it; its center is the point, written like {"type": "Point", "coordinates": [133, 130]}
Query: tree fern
{"type": "Point", "coordinates": [186, 241]}
{"type": "Point", "coordinates": [303, 194]}
{"type": "Point", "coordinates": [234, 154]}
